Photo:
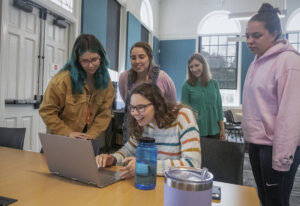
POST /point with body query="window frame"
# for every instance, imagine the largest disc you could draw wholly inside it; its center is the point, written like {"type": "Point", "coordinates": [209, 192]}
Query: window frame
{"type": "Point", "coordinates": [297, 43]}
{"type": "Point", "coordinates": [227, 44]}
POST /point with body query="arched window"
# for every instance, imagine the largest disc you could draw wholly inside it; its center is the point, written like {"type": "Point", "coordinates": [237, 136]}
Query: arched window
{"type": "Point", "coordinates": [215, 32]}
{"type": "Point", "coordinates": [293, 29]}
{"type": "Point", "coordinates": [217, 22]}
{"type": "Point", "coordinates": [146, 14]}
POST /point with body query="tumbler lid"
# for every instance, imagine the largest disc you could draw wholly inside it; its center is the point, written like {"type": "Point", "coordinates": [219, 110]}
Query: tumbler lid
{"type": "Point", "coordinates": [147, 140]}
{"type": "Point", "coordinates": [190, 179]}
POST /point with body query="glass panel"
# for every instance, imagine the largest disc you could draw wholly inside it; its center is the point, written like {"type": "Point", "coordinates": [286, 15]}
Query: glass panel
{"type": "Point", "coordinates": [222, 59]}
{"type": "Point", "coordinates": [295, 46]}
{"type": "Point", "coordinates": [213, 50]}
{"type": "Point", "coordinates": [205, 49]}
{"type": "Point", "coordinates": [214, 40]}
{"type": "Point", "coordinates": [222, 40]}
{"type": "Point", "coordinates": [212, 62]}
{"type": "Point", "coordinates": [231, 50]}
{"type": "Point", "coordinates": [223, 50]}
{"type": "Point", "coordinates": [205, 40]}
{"type": "Point", "coordinates": [231, 62]}
{"type": "Point", "coordinates": [293, 38]}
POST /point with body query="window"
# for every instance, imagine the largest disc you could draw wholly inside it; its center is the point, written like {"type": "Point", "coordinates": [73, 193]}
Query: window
{"type": "Point", "coordinates": [293, 29]}
{"type": "Point", "coordinates": [221, 56]}
{"type": "Point", "coordinates": [146, 14]}
{"type": "Point", "coordinates": [217, 22]}
{"type": "Point", "coordinates": [294, 38]}
{"type": "Point", "coordinates": [65, 4]}
{"type": "Point", "coordinates": [215, 31]}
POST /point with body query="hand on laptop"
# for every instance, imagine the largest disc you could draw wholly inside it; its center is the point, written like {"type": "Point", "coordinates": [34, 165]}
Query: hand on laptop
{"type": "Point", "coordinates": [79, 135]}
{"type": "Point", "coordinates": [104, 160]}
{"type": "Point", "coordinates": [128, 170]}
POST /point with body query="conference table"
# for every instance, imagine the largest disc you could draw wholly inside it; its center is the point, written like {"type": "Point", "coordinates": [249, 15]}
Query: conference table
{"type": "Point", "coordinates": [25, 176]}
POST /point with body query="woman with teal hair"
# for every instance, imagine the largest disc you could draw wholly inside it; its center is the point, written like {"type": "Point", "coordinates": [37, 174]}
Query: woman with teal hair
{"type": "Point", "coordinates": [78, 99]}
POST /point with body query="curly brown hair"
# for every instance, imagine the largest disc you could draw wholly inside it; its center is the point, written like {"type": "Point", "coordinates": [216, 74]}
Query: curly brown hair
{"type": "Point", "coordinates": [165, 113]}
{"type": "Point", "coordinates": [147, 48]}
{"type": "Point", "coordinates": [205, 76]}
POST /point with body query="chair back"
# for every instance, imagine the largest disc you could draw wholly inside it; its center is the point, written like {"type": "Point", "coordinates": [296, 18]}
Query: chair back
{"type": "Point", "coordinates": [12, 137]}
{"type": "Point", "coordinates": [224, 159]}
{"type": "Point", "coordinates": [229, 116]}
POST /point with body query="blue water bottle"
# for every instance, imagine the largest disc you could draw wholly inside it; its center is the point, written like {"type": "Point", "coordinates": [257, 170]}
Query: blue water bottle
{"type": "Point", "coordinates": [145, 168]}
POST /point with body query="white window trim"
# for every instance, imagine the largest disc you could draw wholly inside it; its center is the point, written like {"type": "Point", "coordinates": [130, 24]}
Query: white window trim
{"type": "Point", "coordinates": [292, 19]}
{"type": "Point", "coordinates": [149, 15]}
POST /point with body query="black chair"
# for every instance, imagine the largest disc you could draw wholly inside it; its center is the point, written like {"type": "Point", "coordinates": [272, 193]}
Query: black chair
{"type": "Point", "coordinates": [233, 128]}
{"type": "Point", "coordinates": [225, 160]}
{"type": "Point", "coordinates": [96, 146]}
{"type": "Point", "coordinates": [12, 137]}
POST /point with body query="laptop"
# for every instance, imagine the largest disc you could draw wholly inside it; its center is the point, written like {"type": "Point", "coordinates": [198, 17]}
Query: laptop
{"type": "Point", "coordinates": [74, 158]}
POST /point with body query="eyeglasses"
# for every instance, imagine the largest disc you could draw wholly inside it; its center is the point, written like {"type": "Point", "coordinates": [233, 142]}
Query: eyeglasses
{"type": "Point", "coordinates": [86, 62]}
{"type": "Point", "coordinates": [139, 108]}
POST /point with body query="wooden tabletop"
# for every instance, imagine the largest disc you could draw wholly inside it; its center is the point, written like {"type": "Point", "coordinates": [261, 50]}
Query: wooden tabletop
{"type": "Point", "coordinates": [25, 176]}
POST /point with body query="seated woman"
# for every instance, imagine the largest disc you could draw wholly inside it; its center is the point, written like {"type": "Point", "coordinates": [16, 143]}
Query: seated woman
{"type": "Point", "coordinates": [172, 125]}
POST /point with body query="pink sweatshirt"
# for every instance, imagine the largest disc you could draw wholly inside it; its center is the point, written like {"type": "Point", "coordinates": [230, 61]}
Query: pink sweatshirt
{"type": "Point", "coordinates": [271, 103]}
{"type": "Point", "coordinates": [164, 82]}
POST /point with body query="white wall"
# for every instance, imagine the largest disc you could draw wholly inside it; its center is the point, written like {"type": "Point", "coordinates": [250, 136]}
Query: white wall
{"type": "Point", "coordinates": [180, 19]}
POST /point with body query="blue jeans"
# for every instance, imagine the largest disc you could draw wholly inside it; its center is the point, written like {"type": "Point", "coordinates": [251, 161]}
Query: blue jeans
{"type": "Point", "coordinates": [273, 187]}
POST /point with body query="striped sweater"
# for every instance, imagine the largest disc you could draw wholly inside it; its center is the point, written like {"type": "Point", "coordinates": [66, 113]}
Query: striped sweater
{"type": "Point", "coordinates": [178, 145]}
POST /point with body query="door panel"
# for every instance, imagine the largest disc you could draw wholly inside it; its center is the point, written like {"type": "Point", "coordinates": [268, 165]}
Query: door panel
{"type": "Point", "coordinates": [23, 116]}
{"type": "Point", "coordinates": [23, 38]}
{"type": "Point", "coordinates": [10, 72]}
{"type": "Point", "coordinates": [56, 49]}
{"type": "Point", "coordinates": [24, 76]}
{"type": "Point", "coordinates": [21, 71]}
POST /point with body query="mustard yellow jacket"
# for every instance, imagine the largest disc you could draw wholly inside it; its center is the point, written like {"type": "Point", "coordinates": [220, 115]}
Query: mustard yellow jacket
{"type": "Point", "coordinates": [64, 112]}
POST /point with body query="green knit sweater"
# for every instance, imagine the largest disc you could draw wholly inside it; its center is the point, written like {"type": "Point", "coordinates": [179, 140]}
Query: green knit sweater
{"type": "Point", "coordinates": [206, 103]}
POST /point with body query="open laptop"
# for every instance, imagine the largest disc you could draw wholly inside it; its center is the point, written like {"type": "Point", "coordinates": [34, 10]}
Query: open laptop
{"type": "Point", "coordinates": [74, 158]}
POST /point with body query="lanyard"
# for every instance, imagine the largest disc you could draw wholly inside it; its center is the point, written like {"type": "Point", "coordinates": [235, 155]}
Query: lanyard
{"type": "Point", "coordinates": [87, 118]}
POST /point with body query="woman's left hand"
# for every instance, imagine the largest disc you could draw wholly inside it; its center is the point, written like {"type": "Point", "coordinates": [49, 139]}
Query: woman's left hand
{"type": "Point", "coordinates": [222, 134]}
{"type": "Point", "coordinates": [128, 170]}
{"type": "Point", "coordinates": [79, 135]}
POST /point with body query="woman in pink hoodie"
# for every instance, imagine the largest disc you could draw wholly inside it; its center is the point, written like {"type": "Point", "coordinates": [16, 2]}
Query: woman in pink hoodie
{"type": "Point", "coordinates": [271, 108]}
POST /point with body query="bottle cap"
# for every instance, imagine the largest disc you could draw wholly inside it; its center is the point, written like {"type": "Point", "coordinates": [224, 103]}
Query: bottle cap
{"type": "Point", "coordinates": [147, 140]}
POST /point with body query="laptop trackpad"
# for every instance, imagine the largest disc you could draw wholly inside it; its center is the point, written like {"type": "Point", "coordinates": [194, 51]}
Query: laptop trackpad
{"type": "Point", "coordinates": [109, 173]}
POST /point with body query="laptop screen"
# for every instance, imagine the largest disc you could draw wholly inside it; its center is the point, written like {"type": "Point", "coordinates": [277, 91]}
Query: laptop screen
{"type": "Point", "coordinates": [71, 157]}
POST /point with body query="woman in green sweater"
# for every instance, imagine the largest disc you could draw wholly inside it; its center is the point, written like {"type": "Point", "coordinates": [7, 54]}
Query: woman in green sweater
{"type": "Point", "coordinates": [203, 94]}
